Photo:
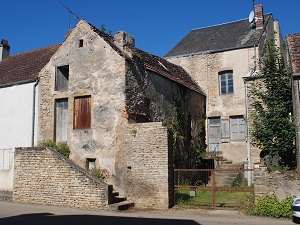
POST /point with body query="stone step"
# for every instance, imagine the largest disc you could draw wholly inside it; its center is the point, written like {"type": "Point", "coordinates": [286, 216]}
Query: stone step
{"type": "Point", "coordinates": [121, 206]}
{"type": "Point", "coordinates": [6, 196]}
{"type": "Point", "coordinates": [118, 199]}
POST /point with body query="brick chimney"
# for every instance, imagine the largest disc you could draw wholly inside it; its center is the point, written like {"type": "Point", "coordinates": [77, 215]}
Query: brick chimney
{"type": "Point", "coordinates": [259, 16]}
{"type": "Point", "coordinates": [123, 39]}
{"type": "Point", "coordinates": [4, 49]}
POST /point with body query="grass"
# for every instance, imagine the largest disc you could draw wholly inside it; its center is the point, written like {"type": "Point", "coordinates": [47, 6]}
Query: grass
{"type": "Point", "coordinates": [204, 198]}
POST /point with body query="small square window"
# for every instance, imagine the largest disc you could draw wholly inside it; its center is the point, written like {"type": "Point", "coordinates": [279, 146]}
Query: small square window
{"type": "Point", "coordinates": [90, 163]}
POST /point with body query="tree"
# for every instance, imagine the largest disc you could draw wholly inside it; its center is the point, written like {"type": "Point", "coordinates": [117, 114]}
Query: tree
{"type": "Point", "coordinates": [272, 128]}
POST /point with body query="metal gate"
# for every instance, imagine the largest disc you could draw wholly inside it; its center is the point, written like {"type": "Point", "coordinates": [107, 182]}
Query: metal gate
{"type": "Point", "coordinates": [212, 187]}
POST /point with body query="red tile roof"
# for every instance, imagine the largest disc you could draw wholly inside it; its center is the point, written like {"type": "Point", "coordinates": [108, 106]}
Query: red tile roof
{"type": "Point", "coordinates": [25, 67]}
{"type": "Point", "coordinates": [293, 44]}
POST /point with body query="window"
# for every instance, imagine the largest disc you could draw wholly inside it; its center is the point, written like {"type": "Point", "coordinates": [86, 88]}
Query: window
{"type": "Point", "coordinates": [90, 163]}
{"type": "Point", "coordinates": [226, 82]}
{"type": "Point", "coordinates": [62, 78]}
{"type": "Point", "coordinates": [61, 120]}
{"type": "Point", "coordinates": [80, 45]}
{"type": "Point", "coordinates": [82, 112]}
{"type": "Point", "coordinates": [214, 134]}
{"type": "Point", "coordinates": [237, 128]}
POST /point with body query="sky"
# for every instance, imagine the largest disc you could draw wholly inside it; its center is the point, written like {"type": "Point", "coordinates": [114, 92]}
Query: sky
{"type": "Point", "coordinates": [157, 25]}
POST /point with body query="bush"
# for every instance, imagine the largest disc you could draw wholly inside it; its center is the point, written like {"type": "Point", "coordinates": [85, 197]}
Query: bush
{"type": "Point", "coordinates": [61, 147]}
{"type": "Point", "coordinates": [270, 206]}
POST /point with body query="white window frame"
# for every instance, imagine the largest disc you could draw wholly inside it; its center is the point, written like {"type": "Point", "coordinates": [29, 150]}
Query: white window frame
{"type": "Point", "coordinates": [226, 82]}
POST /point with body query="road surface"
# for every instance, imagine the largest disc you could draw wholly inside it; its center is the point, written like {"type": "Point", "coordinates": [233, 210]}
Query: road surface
{"type": "Point", "coordinates": [24, 214]}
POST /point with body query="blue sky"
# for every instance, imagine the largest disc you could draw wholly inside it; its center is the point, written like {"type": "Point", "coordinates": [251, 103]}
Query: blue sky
{"type": "Point", "coordinates": [157, 25]}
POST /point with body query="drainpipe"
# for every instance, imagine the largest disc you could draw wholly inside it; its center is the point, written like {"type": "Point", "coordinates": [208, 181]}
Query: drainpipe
{"type": "Point", "coordinates": [33, 111]}
{"type": "Point", "coordinates": [247, 118]}
{"type": "Point", "coordinates": [248, 134]}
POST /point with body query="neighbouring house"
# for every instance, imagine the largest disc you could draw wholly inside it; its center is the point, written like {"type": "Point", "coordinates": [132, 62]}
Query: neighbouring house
{"type": "Point", "coordinates": [220, 58]}
{"type": "Point", "coordinates": [112, 102]}
{"type": "Point", "coordinates": [293, 62]}
{"type": "Point", "coordinates": [18, 105]}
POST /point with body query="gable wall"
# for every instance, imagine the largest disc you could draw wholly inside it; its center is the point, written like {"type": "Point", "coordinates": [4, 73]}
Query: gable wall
{"type": "Point", "coordinates": [95, 70]}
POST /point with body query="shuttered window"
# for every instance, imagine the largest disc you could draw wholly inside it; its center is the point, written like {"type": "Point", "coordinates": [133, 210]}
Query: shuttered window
{"type": "Point", "coordinates": [62, 78]}
{"type": "Point", "coordinates": [82, 112]}
{"type": "Point", "coordinates": [237, 128]}
{"type": "Point", "coordinates": [61, 120]}
{"type": "Point", "coordinates": [214, 134]}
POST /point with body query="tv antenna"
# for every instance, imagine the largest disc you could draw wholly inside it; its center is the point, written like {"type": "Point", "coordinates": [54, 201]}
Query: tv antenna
{"type": "Point", "coordinates": [71, 13]}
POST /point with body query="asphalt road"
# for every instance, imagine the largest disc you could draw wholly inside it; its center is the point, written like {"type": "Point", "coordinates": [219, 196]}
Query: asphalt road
{"type": "Point", "coordinates": [23, 214]}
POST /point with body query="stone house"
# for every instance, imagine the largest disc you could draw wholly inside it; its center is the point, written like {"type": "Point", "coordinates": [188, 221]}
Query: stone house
{"type": "Point", "coordinates": [19, 96]}
{"type": "Point", "coordinates": [220, 58]}
{"type": "Point", "coordinates": [293, 62]}
{"type": "Point", "coordinates": [101, 94]}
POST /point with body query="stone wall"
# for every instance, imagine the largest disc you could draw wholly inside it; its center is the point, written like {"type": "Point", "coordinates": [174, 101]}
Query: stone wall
{"type": "Point", "coordinates": [43, 176]}
{"type": "Point", "coordinates": [281, 184]}
{"type": "Point", "coordinates": [148, 175]}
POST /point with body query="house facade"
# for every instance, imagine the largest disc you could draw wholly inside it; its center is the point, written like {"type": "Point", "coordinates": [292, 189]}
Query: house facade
{"type": "Point", "coordinates": [220, 58]}
{"type": "Point", "coordinates": [293, 62]}
{"type": "Point", "coordinates": [18, 105]}
{"type": "Point", "coordinates": [96, 87]}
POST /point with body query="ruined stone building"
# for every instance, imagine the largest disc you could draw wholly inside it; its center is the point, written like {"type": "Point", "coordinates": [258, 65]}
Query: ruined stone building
{"type": "Point", "coordinates": [110, 101]}
{"type": "Point", "coordinates": [219, 58]}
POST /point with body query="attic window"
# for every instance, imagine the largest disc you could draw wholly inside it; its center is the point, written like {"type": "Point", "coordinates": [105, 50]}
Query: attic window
{"type": "Point", "coordinates": [62, 78]}
{"type": "Point", "coordinates": [80, 45]}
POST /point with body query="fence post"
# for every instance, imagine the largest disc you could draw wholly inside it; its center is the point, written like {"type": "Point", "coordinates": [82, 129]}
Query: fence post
{"type": "Point", "coordinates": [214, 197]}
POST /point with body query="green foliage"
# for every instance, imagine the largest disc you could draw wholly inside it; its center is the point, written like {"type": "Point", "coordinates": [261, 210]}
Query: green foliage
{"type": "Point", "coordinates": [61, 147]}
{"type": "Point", "coordinates": [103, 29]}
{"type": "Point", "coordinates": [271, 96]}
{"type": "Point", "coordinates": [270, 206]}
{"type": "Point", "coordinates": [187, 150]}
{"type": "Point", "coordinates": [102, 174]}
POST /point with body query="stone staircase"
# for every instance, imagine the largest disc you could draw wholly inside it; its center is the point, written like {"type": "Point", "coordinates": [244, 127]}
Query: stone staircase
{"type": "Point", "coordinates": [119, 203]}
{"type": "Point", "coordinates": [226, 174]}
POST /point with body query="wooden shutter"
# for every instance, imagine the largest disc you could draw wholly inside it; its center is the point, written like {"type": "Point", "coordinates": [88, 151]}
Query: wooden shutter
{"type": "Point", "coordinates": [82, 116]}
{"type": "Point", "coordinates": [61, 120]}
{"type": "Point", "coordinates": [225, 131]}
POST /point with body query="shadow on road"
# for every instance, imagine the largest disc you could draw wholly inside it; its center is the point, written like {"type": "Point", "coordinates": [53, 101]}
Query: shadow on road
{"type": "Point", "coordinates": [48, 218]}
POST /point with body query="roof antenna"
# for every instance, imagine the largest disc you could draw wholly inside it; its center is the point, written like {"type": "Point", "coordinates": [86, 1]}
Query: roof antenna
{"type": "Point", "coordinates": [71, 12]}
{"type": "Point", "coordinates": [253, 4]}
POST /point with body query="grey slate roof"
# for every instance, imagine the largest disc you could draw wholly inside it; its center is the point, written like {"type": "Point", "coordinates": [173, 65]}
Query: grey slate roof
{"type": "Point", "coordinates": [234, 35]}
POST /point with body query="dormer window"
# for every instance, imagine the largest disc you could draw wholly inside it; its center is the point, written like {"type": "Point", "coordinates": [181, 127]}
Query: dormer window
{"type": "Point", "coordinates": [62, 78]}
{"type": "Point", "coordinates": [80, 45]}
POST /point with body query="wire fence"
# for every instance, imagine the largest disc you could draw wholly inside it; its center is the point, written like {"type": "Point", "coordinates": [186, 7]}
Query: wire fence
{"type": "Point", "coordinates": [212, 187]}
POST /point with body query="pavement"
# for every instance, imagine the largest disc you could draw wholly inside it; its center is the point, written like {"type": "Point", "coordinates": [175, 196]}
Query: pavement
{"type": "Point", "coordinates": [25, 214]}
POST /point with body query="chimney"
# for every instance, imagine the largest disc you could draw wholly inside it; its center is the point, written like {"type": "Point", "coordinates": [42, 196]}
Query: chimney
{"type": "Point", "coordinates": [4, 49]}
{"type": "Point", "coordinates": [123, 39]}
{"type": "Point", "coordinates": [259, 16]}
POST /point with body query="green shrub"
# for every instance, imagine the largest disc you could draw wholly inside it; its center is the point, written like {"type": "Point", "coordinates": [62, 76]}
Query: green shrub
{"type": "Point", "coordinates": [270, 206]}
{"type": "Point", "coordinates": [61, 147]}
{"type": "Point", "coordinates": [100, 173]}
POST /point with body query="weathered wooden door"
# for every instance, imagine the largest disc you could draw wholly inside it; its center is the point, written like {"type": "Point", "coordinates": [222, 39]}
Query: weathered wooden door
{"type": "Point", "coordinates": [61, 120]}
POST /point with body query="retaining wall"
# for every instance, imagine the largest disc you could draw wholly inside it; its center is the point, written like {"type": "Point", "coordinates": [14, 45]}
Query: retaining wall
{"type": "Point", "coordinates": [43, 176]}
